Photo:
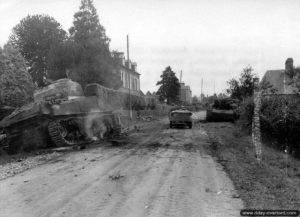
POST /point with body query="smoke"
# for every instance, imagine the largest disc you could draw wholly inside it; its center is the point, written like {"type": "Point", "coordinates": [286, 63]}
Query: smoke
{"type": "Point", "coordinates": [94, 125]}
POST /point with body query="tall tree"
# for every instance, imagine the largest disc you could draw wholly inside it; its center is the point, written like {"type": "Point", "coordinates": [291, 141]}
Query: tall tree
{"type": "Point", "coordinates": [16, 85]}
{"type": "Point", "coordinates": [34, 37]}
{"type": "Point", "coordinates": [59, 60]}
{"type": "Point", "coordinates": [169, 86]}
{"type": "Point", "coordinates": [244, 86]}
{"type": "Point", "coordinates": [91, 58]}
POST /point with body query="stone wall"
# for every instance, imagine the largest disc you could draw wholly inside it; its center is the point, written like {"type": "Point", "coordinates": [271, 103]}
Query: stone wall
{"type": "Point", "coordinates": [117, 99]}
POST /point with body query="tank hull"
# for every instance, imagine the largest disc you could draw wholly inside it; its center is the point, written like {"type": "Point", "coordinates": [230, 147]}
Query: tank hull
{"type": "Point", "coordinates": [58, 120]}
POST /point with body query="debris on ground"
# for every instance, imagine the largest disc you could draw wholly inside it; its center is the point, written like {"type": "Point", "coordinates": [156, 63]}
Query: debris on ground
{"type": "Point", "coordinates": [116, 176]}
{"type": "Point", "coordinates": [62, 149]}
{"type": "Point", "coordinates": [207, 190]}
{"type": "Point", "coordinates": [145, 118]}
{"type": "Point", "coordinates": [235, 196]}
{"type": "Point", "coordinates": [22, 163]}
{"type": "Point", "coordinates": [118, 140]}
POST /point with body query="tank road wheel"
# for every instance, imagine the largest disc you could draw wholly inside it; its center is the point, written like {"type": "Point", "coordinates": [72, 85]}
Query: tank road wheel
{"type": "Point", "coordinates": [58, 134]}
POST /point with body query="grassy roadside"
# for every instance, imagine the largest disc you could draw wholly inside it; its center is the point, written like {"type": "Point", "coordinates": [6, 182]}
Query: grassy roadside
{"type": "Point", "coordinates": [273, 184]}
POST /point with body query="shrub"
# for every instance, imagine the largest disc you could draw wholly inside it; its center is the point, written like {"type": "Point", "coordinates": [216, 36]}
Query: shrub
{"type": "Point", "coordinates": [245, 112]}
{"type": "Point", "coordinates": [279, 119]}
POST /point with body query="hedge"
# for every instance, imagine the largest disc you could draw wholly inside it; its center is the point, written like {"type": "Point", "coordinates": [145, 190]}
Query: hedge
{"type": "Point", "coordinates": [279, 120]}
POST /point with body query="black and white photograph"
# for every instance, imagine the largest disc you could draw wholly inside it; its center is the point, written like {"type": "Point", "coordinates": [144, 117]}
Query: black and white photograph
{"type": "Point", "coordinates": [149, 108]}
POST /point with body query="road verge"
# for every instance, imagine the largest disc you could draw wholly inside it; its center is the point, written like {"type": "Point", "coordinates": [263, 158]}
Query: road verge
{"type": "Point", "coordinates": [272, 184]}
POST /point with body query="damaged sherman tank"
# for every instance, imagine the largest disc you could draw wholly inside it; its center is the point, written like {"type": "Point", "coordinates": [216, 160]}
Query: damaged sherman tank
{"type": "Point", "coordinates": [60, 115]}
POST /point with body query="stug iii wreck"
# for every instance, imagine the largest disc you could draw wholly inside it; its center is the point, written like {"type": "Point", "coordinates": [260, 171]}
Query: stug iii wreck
{"type": "Point", "coordinates": [223, 110]}
{"type": "Point", "coordinates": [60, 115]}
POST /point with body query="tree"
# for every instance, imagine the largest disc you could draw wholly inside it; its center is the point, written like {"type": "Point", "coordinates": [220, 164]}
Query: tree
{"type": "Point", "coordinates": [169, 86]}
{"type": "Point", "coordinates": [222, 96]}
{"type": "Point", "coordinates": [243, 87]}
{"type": "Point", "coordinates": [91, 58]}
{"type": "Point", "coordinates": [34, 37]}
{"type": "Point", "coordinates": [16, 85]}
{"type": "Point", "coordinates": [59, 60]}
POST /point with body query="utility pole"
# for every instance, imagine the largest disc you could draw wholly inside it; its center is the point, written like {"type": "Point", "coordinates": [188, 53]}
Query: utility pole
{"type": "Point", "coordinates": [214, 87]}
{"type": "Point", "coordinates": [201, 99]}
{"type": "Point", "coordinates": [215, 96]}
{"type": "Point", "coordinates": [180, 76]}
{"type": "Point", "coordinates": [181, 97]}
{"type": "Point", "coordinates": [128, 61]}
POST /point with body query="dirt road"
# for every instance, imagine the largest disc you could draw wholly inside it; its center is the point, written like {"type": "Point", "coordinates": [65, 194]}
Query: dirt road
{"type": "Point", "coordinates": [160, 172]}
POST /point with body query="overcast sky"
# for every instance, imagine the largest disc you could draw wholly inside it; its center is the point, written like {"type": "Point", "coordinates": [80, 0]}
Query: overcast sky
{"type": "Point", "coordinates": [210, 39]}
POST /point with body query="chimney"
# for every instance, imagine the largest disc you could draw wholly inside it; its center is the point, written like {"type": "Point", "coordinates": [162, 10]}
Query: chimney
{"type": "Point", "coordinates": [133, 66]}
{"type": "Point", "coordinates": [289, 66]}
{"type": "Point", "coordinates": [128, 64]}
{"type": "Point", "coordinates": [119, 57]}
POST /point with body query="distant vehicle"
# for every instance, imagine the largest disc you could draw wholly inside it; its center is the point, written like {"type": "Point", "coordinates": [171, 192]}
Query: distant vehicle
{"type": "Point", "coordinates": [223, 110]}
{"type": "Point", "coordinates": [180, 117]}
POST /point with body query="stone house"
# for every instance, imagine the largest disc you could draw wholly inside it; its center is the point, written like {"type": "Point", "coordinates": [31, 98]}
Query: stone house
{"type": "Point", "coordinates": [128, 72]}
{"type": "Point", "coordinates": [185, 93]}
{"type": "Point", "coordinates": [281, 81]}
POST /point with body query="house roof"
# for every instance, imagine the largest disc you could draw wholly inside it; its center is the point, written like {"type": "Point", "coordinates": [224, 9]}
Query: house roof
{"type": "Point", "coordinates": [130, 70]}
{"type": "Point", "coordinates": [141, 93]}
{"type": "Point", "coordinates": [280, 81]}
{"type": "Point", "coordinates": [148, 93]}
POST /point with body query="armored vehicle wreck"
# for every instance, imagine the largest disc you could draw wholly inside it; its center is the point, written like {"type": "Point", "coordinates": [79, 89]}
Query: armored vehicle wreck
{"type": "Point", "coordinates": [223, 110]}
{"type": "Point", "coordinates": [60, 115]}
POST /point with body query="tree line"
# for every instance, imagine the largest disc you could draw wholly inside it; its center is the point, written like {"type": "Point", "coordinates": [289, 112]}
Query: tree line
{"type": "Point", "coordinates": [81, 54]}
{"type": "Point", "coordinates": [39, 51]}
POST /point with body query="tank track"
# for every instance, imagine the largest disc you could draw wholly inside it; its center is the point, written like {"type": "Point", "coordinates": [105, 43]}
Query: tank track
{"type": "Point", "coordinates": [55, 135]}
{"type": "Point", "coordinates": [58, 139]}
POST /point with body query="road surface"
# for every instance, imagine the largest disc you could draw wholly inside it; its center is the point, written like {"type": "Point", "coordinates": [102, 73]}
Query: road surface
{"type": "Point", "coordinates": [160, 172]}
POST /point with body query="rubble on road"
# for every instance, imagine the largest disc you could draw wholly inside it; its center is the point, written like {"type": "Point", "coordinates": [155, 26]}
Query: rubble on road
{"type": "Point", "coordinates": [145, 118]}
{"type": "Point", "coordinates": [116, 176]}
{"type": "Point", "coordinates": [23, 163]}
{"type": "Point", "coordinates": [118, 141]}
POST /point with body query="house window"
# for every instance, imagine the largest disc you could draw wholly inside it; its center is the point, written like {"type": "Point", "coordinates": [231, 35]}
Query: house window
{"type": "Point", "coordinates": [135, 85]}
{"type": "Point", "coordinates": [132, 83]}
{"type": "Point", "coordinates": [128, 80]}
{"type": "Point", "coordinates": [122, 78]}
